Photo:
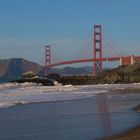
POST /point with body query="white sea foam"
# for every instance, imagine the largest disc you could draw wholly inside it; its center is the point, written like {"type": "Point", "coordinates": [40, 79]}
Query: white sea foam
{"type": "Point", "coordinates": [15, 93]}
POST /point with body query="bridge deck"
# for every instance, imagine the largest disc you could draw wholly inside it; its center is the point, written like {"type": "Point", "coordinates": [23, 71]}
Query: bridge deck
{"type": "Point", "coordinates": [91, 60]}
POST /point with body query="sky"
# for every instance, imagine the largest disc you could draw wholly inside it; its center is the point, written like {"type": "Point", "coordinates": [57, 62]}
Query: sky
{"type": "Point", "coordinates": [26, 26]}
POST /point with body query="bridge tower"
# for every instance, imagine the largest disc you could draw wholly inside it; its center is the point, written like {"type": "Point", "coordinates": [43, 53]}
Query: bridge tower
{"type": "Point", "coordinates": [97, 49]}
{"type": "Point", "coordinates": [47, 58]}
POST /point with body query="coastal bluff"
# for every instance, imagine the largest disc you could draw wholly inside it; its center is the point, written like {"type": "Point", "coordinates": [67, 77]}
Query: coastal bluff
{"type": "Point", "coordinates": [121, 74]}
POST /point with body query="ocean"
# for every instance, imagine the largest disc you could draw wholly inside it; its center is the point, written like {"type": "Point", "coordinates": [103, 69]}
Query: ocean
{"type": "Point", "coordinates": [31, 111]}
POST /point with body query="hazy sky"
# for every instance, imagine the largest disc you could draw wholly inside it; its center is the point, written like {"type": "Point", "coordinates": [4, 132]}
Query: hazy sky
{"type": "Point", "coordinates": [27, 25]}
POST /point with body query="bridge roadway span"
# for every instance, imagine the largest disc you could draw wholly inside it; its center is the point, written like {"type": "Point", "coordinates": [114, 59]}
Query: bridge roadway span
{"type": "Point", "coordinates": [91, 60]}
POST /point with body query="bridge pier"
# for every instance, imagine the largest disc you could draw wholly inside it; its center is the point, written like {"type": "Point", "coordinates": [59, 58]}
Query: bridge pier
{"type": "Point", "coordinates": [129, 60]}
{"type": "Point", "coordinates": [132, 59]}
{"type": "Point", "coordinates": [121, 63]}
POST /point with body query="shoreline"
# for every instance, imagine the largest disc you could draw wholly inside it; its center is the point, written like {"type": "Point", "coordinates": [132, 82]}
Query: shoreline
{"type": "Point", "coordinates": [130, 90]}
{"type": "Point", "coordinates": [20, 103]}
{"type": "Point", "coordinates": [130, 134]}
{"type": "Point", "coordinates": [109, 92]}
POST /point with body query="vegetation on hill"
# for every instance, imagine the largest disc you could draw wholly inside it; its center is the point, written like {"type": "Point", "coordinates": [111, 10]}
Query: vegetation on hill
{"type": "Point", "coordinates": [122, 74]}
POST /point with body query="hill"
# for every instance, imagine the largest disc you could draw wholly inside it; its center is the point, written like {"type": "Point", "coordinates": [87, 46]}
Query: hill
{"type": "Point", "coordinates": [122, 74]}
{"type": "Point", "coordinates": [17, 66]}
{"type": "Point", "coordinates": [72, 70]}
{"type": "Point", "coordinates": [11, 69]}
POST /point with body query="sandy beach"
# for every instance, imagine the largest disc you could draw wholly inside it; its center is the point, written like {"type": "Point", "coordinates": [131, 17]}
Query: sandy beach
{"type": "Point", "coordinates": [66, 112]}
{"type": "Point", "coordinates": [67, 120]}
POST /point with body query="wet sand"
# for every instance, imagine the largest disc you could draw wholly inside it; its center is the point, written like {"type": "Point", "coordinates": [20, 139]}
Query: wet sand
{"type": "Point", "coordinates": [131, 134]}
{"type": "Point", "coordinates": [68, 120]}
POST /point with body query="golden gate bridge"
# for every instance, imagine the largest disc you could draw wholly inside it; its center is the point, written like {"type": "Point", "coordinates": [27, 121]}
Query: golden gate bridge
{"type": "Point", "coordinates": [97, 58]}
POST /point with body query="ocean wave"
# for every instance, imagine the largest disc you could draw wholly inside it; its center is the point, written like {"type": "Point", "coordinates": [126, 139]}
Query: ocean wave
{"type": "Point", "coordinates": [16, 93]}
{"type": "Point", "coordinates": [17, 85]}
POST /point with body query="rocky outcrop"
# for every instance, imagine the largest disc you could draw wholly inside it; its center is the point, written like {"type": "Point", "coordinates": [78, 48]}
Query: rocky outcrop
{"type": "Point", "coordinates": [45, 81]}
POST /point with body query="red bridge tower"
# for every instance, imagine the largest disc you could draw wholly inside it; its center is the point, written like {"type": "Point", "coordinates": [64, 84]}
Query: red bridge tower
{"type": "Point", "coordinates": [97, 49]}
{"type": "Point", "coordinates": [47, 58]}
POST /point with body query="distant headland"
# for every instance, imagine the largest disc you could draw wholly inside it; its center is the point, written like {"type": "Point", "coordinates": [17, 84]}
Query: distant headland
{"type": "Point", "coordinates": [121, 74]}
